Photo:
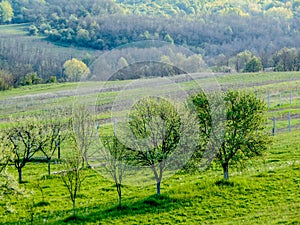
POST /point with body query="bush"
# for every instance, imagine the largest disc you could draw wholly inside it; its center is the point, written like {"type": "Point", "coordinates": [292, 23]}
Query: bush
{"type": "Point", "coordinates": [32, 78]}
{"type": "Point", "coordinates": [52, 79]}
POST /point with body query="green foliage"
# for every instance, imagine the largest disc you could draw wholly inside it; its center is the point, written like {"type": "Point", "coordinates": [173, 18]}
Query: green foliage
{"type": "Point", "coordinates": [52, 79]}
{"type": "Point", "coordinates": [31, 78]}
{"type": "Point", "coordinates": [156, 124]}
{"type": "Point", "coordinates": [254, 65]}
{"type": "Point", "coordinates": [265, 191]}
{"type": "Point", "coordinates": [245, 131]}
{"type": "Point", "coordinates": [116, 161]}
{"type": "Point", "coordinates": [287, 59]}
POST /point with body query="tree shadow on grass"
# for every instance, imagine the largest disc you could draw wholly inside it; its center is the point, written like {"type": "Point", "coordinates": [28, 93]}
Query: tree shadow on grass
{"type": "Point", "coordinates": [152, 204]}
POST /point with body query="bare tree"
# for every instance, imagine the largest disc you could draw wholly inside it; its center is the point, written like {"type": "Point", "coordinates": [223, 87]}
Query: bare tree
{"type": "Point", "coordinates": [73, 174]}
{"type": "Point", "coordinates": [26, 139]}
{"type": "Point", "coordinates": [84, 129]}
{"type": "Point", "coordinates": [8, 184]}
{"type": "Point", "coordinates": [53, 136]}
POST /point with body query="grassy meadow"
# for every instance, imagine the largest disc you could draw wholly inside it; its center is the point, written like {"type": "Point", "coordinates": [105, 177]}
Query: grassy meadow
{"type": "Point", "coordinates": [265, 191]}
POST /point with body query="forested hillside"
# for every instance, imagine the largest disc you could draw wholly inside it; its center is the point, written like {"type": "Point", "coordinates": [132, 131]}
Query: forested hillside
{"type": "Point", "coordinates": [228, 35]}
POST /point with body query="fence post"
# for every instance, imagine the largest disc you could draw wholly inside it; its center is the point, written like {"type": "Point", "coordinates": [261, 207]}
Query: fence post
{"type": "Point", "coordinates": [291, 97]}
{"type": "Point", "coordinates": [268, 100]}
{"type": "Point", "coordinates": [274, 126]}
{"type": "Point", "coordinates": [289, 123]}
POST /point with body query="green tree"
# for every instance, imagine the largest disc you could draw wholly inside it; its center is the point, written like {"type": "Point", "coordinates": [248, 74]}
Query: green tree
{"type": "Point", "coordinates": [241, 59]}
{"type": "Point", "coordinates": [254, 65]}
{"type": "Point", "coordinates": [115, 157]}
{"type": "Point", "coordinates": [162, 136]}
{"type": "Point", "coordinates": [245, 127]}
{"type": "Point", "coordinates": [75, 70]}
{"type": "Point", "coordinates": [285, 59]}
{"type": "Point", "coordinates": [83, 36]}
{"type": "Point", "coordinates": [6, 12]}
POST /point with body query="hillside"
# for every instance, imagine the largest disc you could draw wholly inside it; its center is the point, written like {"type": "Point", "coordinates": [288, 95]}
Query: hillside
{"type": "Point", "coordinates": [238, 36]}
{"type": "Point", "coordinates": [265, 191]}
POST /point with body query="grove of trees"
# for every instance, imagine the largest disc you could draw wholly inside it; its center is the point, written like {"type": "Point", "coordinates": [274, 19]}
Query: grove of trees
{"type": "Point", "coordinates": [160, 138]}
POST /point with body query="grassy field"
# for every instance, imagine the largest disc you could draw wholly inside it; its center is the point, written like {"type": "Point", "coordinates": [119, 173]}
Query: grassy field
{"type": "Point", "coordinates": [265, 191]}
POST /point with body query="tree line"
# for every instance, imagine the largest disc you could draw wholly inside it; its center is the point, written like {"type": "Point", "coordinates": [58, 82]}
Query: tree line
{"type": "Point", "coordinates": [109, 24]}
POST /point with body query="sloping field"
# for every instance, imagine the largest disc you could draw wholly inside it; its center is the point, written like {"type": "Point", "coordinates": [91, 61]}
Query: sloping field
{"type": "Point", "coordinates": [265, 191]}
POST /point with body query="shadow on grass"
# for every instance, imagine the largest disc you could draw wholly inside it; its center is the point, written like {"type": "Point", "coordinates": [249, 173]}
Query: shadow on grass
{"type": "Point", "coordinates": [224, 183]}
{"type": "Point", "coordinates": [152, 204]}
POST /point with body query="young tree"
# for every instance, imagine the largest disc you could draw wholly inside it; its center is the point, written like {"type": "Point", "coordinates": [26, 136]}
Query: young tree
{"type": "Point", "coordinates": [73, 174]}
{"type": "Point", "coordinates": [115, 159]}
{"type": "Point", "coordinates": [26, 139]}
{"type": "Point", "coordinates": [245, 135]}
{"type": "Point", "coordinates": [53, 137]}
{"type": "Point", "coordinates": [8, 185]}
{"type": "Point", "coordinates": [161, 136]}
{"type": "Point", "coordinates": [84, 129]}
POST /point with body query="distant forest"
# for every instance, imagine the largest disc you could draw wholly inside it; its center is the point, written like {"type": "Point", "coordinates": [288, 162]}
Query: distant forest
{"type": "Point", "coordinates": [227, 34]}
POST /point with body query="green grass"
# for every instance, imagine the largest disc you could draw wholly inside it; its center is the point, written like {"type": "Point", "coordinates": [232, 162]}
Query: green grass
{"type": "Point", "coordinates": [13, 29]}
{"type": "Point", "coordinates": [265, 191]}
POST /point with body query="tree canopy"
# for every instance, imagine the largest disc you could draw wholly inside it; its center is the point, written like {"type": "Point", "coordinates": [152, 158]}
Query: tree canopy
{"type": "Point", "coordinates": [245, 133]}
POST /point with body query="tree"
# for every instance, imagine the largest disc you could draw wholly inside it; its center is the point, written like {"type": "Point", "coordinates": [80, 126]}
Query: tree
{"type": "Point", "coordinates": [254, 65]}
{"type": "Point", "coordinates": [245, 136]}
{"type": "Point", "coordinates": [162, 136]}
{"type": "Point", "coordinates": [241, 59]}
{"type": "Point", "coordinates": [115, 158]}
{"type": "Point", "coordinates": [75, 70]}
{"type": "Point", "coordinates": [26, 139]}
{"type": "Point", "coordinates": [6, 12]}
{"type": "Point", "coordinates": [6, 80]}
{"type": "Point", "coordinates": [84, 129]}
{"type": "Point", "coordinates": [8, 185]}
{"type": "Point", "coordinates": [73, 174]}
{"type": "Point", "coordinates": [53, 137]}
{"type": "Point", "coordinates": [285, 59]}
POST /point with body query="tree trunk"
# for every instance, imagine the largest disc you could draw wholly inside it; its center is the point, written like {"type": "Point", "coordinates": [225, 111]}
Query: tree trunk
{"type": "Point", "coordinates": [49, 169]}
{"type": "Point", "coordinates": [20, 175]}
{"type": "Point", "coordinates": [58, 147]}
{"type": "Point", "coordinates": [74, 208]}
{"type": "Point", "coordinates": [119, 193]}
{"type": "Point", "coordinates": [225, 171]}
{"type": "Point", "coordinates": [158, 188]}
